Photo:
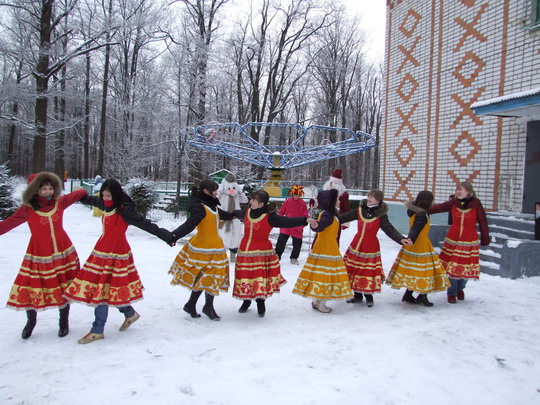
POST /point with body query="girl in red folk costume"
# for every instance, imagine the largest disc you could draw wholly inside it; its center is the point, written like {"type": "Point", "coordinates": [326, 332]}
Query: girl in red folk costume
{"type": "Point", "coordinates": [324, 276]}
{"type": "Point", "coordinates": [292, 207]}
{"type": "Point", "coordinates": [109, 277]}
{"type": "Point", "coordinates": [202, 264]}
{"type": "Point", "coordinates": [257, 271]}
{"type": "Point", "coordinates": [51, 262]}
{"type": "Point", "coordinates": [363, 257]}
{"type": "Point", "coordinates": [460, 252]}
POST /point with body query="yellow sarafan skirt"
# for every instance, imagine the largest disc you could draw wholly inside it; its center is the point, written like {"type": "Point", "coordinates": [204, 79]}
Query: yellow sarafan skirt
{"type": "Point", "coordinates": [417, 267]}
{"type": "Point", "coordinates": [202, 264]}
{"type": "Point", "coordinates": [324, 276]}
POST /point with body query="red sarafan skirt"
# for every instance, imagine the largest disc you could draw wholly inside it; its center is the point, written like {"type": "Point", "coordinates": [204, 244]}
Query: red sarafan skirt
{"type": "Point", "coordinates": [257, 275]}
{"type": "Point", "coordinates": [49, 265]}
{"type": "Point", "coordinates": [363, 258]}
{"type": "Point", "coordinates": [109, 275]}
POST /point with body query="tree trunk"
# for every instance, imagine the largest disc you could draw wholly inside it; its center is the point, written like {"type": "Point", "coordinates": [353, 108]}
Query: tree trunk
{"type": "Point", "coordinates": [103, 118]}
{"type": "Point", "coordinates": [42, 85]}
{"type": "Point", "coordinates": [86, 142]}
{"type": "Point", "coordinates": [59, 155]}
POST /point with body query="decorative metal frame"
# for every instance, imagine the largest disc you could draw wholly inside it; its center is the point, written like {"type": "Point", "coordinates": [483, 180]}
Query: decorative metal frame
{"type": "Point", "coordinates": [232, 140]}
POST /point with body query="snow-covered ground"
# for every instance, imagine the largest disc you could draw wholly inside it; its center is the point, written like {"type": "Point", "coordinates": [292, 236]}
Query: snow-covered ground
{"type": "Point", "coordinates": [484, 350]}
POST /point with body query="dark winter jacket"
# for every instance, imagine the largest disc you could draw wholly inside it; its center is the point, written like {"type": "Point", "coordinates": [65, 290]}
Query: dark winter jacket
{"type": "Point", "coordinates": [380, 212]}
{"type": "Point", "coordinates": [465, 204]}
{"type": "Point", "coordinates": [327, 202]}
{"type": "Point", "coordinates": [195, 207]}
{"type": "Point", "coordinates": [132, 217]}
{"type": "Point", "coordinates": [420, 220]}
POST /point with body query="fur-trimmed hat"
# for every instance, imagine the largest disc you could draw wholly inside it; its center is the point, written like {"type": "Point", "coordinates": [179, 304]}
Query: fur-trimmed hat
{"type": "Point", "coordinates": [337, 176]}
{"type": "Point", "coordinates": [35, 180]}
{"type": "Point", "coordinates": [335, 182]}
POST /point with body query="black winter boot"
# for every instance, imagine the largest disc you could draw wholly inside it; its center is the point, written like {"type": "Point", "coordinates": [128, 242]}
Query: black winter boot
{"type": "Point", "coordinates": [208, 308]}
{"type": "Point", "coordinates": [31, 315]}
{"type": "Point", "coordinates": [369, 300]}
{"type": "Point", "coordinates": [190, 306]}
{"type": "Point", "coordinates": [358, 297]}
{"type": "Point", "coordinates": [261, 307]}
{"type": "Point", "coordinates": [422, 299]}
{"type": "Point", "coordinates": [64, 321]}
{"type": "Point", "coordinates": [408, 297]}
{"type": "Point", "coordinates": [245, 305]}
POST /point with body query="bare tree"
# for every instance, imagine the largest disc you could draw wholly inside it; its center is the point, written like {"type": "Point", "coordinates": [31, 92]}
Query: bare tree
{"type": "Point", "coordinates": [44, 18]}
{"type": "Point", "coordinates": [274, 63]}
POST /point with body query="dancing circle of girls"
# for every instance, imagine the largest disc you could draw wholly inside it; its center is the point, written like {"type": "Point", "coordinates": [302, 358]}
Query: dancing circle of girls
{"type": "Point", "coordinates": [50, 275]}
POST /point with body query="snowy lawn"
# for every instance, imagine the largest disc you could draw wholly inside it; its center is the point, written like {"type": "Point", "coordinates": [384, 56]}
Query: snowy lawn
{"type": "Point", "coordinates": [484, 350]}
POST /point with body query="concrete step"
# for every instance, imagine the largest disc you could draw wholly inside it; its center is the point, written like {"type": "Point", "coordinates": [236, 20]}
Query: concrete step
{"type": "Point", "coordinates": [490, 255]}
{"type": "Point", "coordinates": [490, 268]}
{"type": "Point", "coordinates": [513, 222]}
{"type": "Point", "coordinates": [512, 233]}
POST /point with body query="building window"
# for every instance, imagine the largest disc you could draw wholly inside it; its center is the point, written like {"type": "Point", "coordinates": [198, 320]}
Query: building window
{"type": "Point", "coordinates": [531, 15]}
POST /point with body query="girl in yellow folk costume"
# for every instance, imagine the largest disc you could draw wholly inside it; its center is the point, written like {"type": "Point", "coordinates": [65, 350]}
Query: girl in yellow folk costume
{"type": "Point", "coordinates": [324, 276]}
{"type": "Point", "coordinates": [257, 272]}
{"type": "Point", "coordinates": [417, 267]}
{"type": "Point", "coordinates": [202, 264]}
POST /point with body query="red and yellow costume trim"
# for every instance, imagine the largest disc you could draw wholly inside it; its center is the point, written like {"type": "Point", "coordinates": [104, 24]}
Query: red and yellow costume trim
{"type": "Point", "coordinates": [417, 267]}
{"type": "Point", "coordinates": [324, 276]}
{"type": "Point", "coordinates": [202, 264]}
{"type": "Point", "coordinates": [363, 257]}
{"type": "Point", "coordinates": [109, 276]}
{"type": "Point", "coordinates": [257, 270]}
{"type": "Point", "coordinates": [460, 254]}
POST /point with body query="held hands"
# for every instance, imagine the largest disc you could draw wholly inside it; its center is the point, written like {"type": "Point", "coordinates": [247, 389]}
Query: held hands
{"type": "Point", "coordinates": [312, 222]}
{"type": "Point", "coordinates": [171, 241]}
{"type": "Point", "coordinates": [406, 242]}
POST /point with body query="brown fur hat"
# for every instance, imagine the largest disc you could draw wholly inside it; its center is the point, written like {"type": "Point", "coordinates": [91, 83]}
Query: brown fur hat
{"type": "Point", "coordinates": [36, 180]}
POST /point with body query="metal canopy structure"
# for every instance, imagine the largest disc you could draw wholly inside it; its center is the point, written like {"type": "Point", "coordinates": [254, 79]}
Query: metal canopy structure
{"type": "Point", "coordinates": [234, 140]}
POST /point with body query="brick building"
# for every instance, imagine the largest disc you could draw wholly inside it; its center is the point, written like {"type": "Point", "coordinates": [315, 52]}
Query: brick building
{"type": "Point", "coordinates": [463, 100]}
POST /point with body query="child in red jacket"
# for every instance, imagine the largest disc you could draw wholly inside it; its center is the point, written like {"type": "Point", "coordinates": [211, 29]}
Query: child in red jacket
{"type": "Point", "coordinates": [292, 207]}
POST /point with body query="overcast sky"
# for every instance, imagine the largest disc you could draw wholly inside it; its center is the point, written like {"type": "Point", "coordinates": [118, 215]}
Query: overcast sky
{"type": "Point", "coordinates": [373, 21]}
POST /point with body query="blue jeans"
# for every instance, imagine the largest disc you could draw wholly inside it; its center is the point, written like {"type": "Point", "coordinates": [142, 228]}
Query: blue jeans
{"type": "Point", "coordinates": [455, 286]}
{"type": "Point", "coordinates": [102, 312]}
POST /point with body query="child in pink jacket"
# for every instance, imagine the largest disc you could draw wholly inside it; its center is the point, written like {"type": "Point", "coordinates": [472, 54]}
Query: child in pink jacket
{"type": "Point", "coordinates": [292, 207]}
